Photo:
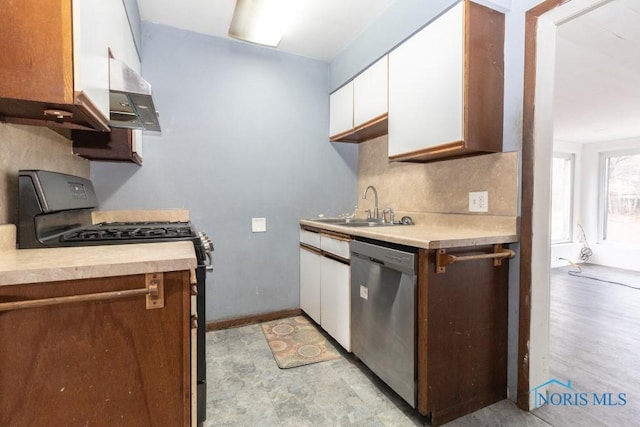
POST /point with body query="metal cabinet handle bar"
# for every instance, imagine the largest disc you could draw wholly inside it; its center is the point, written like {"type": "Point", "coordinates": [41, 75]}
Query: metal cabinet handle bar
{"type": "Point", "coordinates": [443, 258]}
{"type": "Point", "coordinates": [153, 291]}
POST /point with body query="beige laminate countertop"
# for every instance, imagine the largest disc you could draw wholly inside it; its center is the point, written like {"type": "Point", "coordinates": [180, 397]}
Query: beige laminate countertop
{"type": "Point", "coordinates": [436, 231]}
{"type": "Point", "coordinates": [22, 266]}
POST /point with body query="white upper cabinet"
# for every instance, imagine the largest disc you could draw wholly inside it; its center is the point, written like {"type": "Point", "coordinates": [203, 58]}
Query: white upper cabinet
{"type": "Point", "coordinates": [425, 80]}
{"type": "Point", "coordinates": [91, 29]}
{"type": "Point", "coordinates": [100, 26]}
{"type": "Point", "coordinates": [121, 40]}
{"type": "Point", "coordinates": [341, 110]}
{"type": "Point", "coordinates": [370, 93]}
{"type": "Point", "coordinates": [446, 87]}
{"type": "Point", "coordinates": [358, 110]}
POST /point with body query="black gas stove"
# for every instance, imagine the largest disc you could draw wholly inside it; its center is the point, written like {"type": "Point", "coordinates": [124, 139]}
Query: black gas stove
{"type": "Point", "coordinates": [55, 210]}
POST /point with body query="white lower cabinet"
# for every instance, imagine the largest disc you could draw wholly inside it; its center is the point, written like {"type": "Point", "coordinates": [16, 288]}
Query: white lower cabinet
{"type": "Point", "coordinates": [310, 283]}
{"type": "Point", "coordinates": [325, 276]}
{"type": "Point", "coordinates": [335, 300]}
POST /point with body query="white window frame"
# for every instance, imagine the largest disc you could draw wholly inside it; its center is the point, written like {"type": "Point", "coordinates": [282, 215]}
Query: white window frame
{"type": "Point", "coordinates": [603, 192]}
{"type": "Point", "coordinates": [571, 158]}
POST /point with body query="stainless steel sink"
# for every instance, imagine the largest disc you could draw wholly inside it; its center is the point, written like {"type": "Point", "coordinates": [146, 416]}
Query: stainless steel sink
{"type": "Point", "coordinates": [338, 221]}
{"type": "Point", "coordinates": [354, 222]}
{"type": "Point", "coordinates": [332, 220]}
{"type": "Point", "coordinates": [369, 224]}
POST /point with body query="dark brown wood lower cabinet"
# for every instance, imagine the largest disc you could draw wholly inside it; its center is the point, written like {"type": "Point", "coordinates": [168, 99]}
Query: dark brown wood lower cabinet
{"type": "Point", "coordinates": [98, 363]}
{"type": "Point", "coordinates": [462, 335]}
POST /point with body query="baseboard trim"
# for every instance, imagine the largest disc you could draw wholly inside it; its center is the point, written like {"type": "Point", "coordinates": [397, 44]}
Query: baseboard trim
{"type": "Point", "coordinates": [251, 320]}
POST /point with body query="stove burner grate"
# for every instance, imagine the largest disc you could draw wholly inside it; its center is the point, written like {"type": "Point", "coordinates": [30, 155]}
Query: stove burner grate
{"type": "Point", "coordinates": [128, 231]}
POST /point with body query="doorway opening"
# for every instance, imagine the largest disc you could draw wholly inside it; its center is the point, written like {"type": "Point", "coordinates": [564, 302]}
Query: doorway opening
{"type": "Point", "coordinates": [567, 232]}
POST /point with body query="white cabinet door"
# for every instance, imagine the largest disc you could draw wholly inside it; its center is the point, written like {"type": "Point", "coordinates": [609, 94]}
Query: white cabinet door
{"type": "Point", "coordinates": [120, 36]}
{"type": "Point", "coordinates": [310, 283]}
{"type": "Point", "coordinates": [335, 297]}
{"type": "Point", "coordinates": [370, 93]}
{"type": "Point", "coordinates": [91, 28]}
{"type": "Point", "coordinates": [341, 110]}
{"type": "Point", "coordinates": [426, 86]}
{"type": "Point", "coordinates": [98, 26]}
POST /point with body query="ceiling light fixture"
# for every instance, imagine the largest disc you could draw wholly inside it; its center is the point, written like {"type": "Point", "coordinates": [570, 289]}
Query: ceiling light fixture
{"type": "Point", "coordinates": [260, 21]}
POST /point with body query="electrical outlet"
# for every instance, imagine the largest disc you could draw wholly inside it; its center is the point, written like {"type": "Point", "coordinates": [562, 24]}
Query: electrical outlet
{"type": "Point", "coordinates": [364, 292]}
{"type": "Point", "coordinates": [479, 201]}
{"type": "Point", "coordinates": [258, 225]}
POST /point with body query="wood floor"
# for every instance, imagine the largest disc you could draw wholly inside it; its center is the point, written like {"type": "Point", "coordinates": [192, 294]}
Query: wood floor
{"type": "Point", "coordinates": [595, 343]}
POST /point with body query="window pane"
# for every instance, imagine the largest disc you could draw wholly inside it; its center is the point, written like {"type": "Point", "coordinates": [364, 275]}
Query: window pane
{"type": "Point", "coordinates": [622, 204]}
{"type": "Point", "coordinates": [561, 198]}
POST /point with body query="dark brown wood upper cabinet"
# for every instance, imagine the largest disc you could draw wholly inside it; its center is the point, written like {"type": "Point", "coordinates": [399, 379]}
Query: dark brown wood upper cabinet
{"type": "Point", "coordinates": [50, 75]}
{"type": "Point", "coordinates": [119, 145]}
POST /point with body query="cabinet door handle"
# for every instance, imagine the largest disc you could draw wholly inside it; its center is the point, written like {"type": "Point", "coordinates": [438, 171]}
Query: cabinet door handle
{"type": "Point", "coordinates": [443, 258]}
{"type": "Point", "coordinates": [153, 290]}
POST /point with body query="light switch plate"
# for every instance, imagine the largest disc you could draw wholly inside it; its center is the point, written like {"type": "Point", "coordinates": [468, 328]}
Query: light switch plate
{"type": "Point", "coordinates": [479, 201]}
{"type": "Point", "coordinates": [364, 292]}
{"type": "Point", "coordinates": [258, 225]}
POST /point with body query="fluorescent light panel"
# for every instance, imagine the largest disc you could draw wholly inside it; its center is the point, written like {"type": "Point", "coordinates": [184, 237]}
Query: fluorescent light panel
{"type": "Point", "coordinates": [260, 21]}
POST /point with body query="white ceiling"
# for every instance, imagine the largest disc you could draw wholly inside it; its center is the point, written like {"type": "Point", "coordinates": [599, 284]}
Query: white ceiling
{"type": "Point", "coordinates": [598, 54]}
{"type": "Point", "coordinates": [320, 29]}
{"type": "Point", "coordinates": [597, 87]}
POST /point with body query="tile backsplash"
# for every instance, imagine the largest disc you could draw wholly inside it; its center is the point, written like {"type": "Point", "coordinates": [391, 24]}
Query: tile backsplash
{"type": "Point", "coordinates": [438, 187]}
{"type": "Point", "coordinates": [31, 147]}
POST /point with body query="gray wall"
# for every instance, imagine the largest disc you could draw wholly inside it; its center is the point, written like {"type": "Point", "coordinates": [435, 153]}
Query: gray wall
{"type": "Point", "coordinates": [400, 21]}
{"type": "Point", "coordinates": [245, 134]}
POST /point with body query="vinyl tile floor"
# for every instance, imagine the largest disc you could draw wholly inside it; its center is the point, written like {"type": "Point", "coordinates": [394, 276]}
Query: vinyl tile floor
{"type": "Point", "coordinates": [246, 388]}
{"type": "Point", "coordinates": [595, 336]}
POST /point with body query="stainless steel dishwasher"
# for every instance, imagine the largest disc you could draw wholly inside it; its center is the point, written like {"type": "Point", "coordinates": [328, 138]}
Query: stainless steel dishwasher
{"type": "Point", "coordinates": [383, 313]}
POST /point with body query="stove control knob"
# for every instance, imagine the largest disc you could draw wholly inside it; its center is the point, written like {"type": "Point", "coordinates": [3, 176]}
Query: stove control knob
{"type": "Point", "coordinates": [206, 241]}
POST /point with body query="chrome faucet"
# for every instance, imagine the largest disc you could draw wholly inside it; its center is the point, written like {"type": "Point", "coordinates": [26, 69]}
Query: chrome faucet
{"type": "Point", "coordinates": [376, 214]}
